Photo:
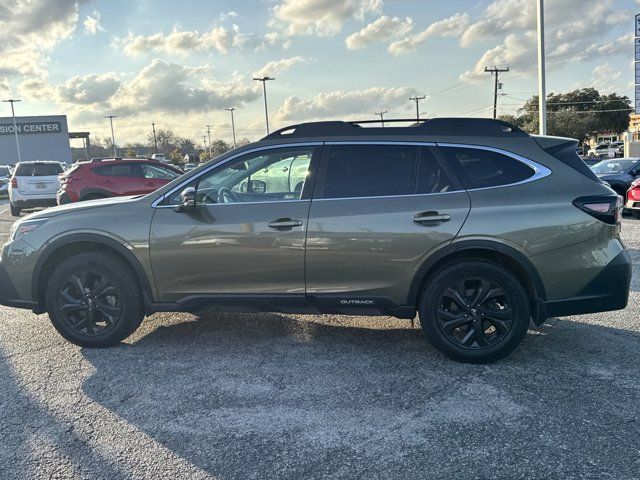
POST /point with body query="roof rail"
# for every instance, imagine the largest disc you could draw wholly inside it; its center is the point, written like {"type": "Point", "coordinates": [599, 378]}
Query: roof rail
{"type": "Point", "coordinates": [435, 126]}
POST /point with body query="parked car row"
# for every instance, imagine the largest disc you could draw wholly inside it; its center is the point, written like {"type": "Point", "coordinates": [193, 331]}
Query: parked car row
{"type": "Point", "coordinates": [607, 150]}
{"type": "Point", "coordinates": [39, 183]}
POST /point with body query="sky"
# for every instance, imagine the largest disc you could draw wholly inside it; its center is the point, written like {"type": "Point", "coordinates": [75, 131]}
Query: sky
{"type": "Point", "coordinates": [180, 64]}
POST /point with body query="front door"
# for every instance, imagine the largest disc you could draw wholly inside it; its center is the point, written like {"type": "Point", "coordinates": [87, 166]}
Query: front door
{"type": "Point", "coordinates": [246, 235]}
{"type": "Point", "coordinates": [378, 212]}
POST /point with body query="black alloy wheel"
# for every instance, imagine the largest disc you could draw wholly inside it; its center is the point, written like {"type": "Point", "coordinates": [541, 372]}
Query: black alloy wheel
{"type": "Point", "coordinates": [89, 303]}
{"type": "Point", "coordinates": [475, 313]}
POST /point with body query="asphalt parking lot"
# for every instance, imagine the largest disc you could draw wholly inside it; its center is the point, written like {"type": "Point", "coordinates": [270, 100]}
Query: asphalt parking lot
{"type": "Point", "coordinates": [236, 396]}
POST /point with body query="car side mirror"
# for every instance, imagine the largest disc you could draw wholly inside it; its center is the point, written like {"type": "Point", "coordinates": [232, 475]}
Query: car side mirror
{"type": "Point", "coordinates": [257, 186]}
{"type": "Point", "coordinates": [187, 200]}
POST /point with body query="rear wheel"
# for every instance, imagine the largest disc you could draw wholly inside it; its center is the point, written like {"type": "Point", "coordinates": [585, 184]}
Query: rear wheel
{"type": "Point", "coordinates": [94, 300]}
{"type": "Point", "coordinates": [15, 211]}
{"type": "Point", "coordinates": [635, 214]}
{"type": "Point", "coordinates": [474, 311]}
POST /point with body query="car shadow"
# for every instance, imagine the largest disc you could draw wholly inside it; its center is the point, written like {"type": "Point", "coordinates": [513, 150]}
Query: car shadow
{"type": "Point", "coordinates": [635, 277]}
{"type": "Point", "coordinates": [28, 432]}
{"type": "Point", "coordinates": [269, 395]}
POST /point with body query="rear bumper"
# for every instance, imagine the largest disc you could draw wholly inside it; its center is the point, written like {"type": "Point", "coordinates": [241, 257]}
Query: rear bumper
{"type": "Point", "coordinates": [34, 202]}
{"type": "Point", "coordinates": [607, 291]}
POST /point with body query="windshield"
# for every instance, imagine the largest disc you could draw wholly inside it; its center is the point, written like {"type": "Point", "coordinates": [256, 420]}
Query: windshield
{"type": "Point", "coordinates": [613, 166]}
{"type": "Point", "coordinates": [5, 171]}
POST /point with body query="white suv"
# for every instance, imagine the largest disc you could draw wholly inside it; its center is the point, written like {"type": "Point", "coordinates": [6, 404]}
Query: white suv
{"type": "Point", "coordinates": [34, 184]}
{"type": "Point", "coordinates": [602, 150]}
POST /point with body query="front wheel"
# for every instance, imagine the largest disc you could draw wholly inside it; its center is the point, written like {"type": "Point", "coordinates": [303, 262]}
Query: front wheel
{"type": "Point", "coordinates": [474, 311]}
{"type": "Point", "coordinates": [15, 211]}
{"type": "Point", "coordinates": [94, 299]}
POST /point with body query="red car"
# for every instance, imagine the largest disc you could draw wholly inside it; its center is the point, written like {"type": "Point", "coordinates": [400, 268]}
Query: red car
{"type": "Point", "coordinates": [633, 199]}
{"type": "Point", "coordinates": [113, 177]}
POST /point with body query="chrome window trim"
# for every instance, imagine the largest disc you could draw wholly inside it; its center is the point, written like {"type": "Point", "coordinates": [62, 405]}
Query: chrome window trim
{"type": "Point", "coordinates": [155, 203]}
{"type": "Point", "coordinates": [539, 171]}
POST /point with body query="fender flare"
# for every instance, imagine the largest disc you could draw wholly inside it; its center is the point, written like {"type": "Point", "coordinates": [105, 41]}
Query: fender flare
{"type": "Point", "coordinates": [90, 191]}
{"type": "Point", "coordinates": [129, 257]}
{"type": "Point", "coordinates": [468, 245]}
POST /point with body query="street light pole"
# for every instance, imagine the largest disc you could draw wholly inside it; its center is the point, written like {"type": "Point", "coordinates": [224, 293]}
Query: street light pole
{"type": "Point", "coordinates": [15, 126]}
{"type": "Point", "coordinates": [542, 89]}
{"type": "Point", "coordinates": [113, 137]}
{"type": "Point", "coordinates": [264, 81]}
{"type": "Point", "coordinates": [233, 125]}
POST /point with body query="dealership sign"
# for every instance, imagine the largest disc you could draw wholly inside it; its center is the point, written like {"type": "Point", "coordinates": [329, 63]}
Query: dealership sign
{"type": "Point", "coordinates": [31, 128]}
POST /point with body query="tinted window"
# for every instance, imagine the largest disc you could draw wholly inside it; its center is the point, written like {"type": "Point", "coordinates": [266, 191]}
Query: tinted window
{"type": "Point", "coordinates": [38, 169]}
{"type": "Point", "coordinates": [431, 178]}
{"type": "Point", "coordinates": [158, 172]}
{"type": "Point", "coordinates": [483, 168]}
{"type": "Point", "coordinates": [371, 171]}
{"type": "Point", "coordinates": [119, 170]}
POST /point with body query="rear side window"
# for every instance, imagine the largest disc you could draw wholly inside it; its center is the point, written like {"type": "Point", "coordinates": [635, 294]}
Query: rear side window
{"type": "Point", "coordinates": [38, 169]}
{"type": "Point", "coordinates": [484, 168]}
{"type": "Point", "coordinates": [371, 171]}
{"type": "Point", "coordinates": [119, 170]}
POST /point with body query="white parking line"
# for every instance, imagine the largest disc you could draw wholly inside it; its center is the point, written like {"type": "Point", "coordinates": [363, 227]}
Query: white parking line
{"type": "Point", "coordinates": [2, 211]}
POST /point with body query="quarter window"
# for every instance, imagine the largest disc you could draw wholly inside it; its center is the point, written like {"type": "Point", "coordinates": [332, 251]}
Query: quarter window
{"type": "Point", "coordinates": [479, 168]}
{"type": "Point", "coordinates": [371, 171]}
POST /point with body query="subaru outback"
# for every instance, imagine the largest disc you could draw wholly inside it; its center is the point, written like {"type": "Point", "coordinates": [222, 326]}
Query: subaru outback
{"type": "Point", "coordinates": [474, 224]}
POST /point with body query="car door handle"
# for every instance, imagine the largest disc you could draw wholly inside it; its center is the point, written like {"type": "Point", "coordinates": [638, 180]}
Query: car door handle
{"type": "Point", "coordinates": [285, 223]}
{"type": "Point", "coordinates": [427, 218]}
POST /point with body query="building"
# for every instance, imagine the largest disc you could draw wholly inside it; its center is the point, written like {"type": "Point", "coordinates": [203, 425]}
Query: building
{"type": "Point", "coordinates": [40, 138]}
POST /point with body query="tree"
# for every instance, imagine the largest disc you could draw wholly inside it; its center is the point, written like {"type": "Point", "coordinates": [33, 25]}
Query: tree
{"type": "Point", "coordinates": [218, 147]}
{"type": "Point", "coordinates": [577, 114]}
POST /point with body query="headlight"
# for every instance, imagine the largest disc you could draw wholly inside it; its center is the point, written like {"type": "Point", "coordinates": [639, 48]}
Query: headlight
{"type": "Point", "coordinates": [23, 227]}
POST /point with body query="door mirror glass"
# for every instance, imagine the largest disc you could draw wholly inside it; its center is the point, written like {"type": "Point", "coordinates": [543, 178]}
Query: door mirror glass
{"type": "Point", "coordinates": [187, 199]}
{"type": "Point", "coordinates": [257, 186]}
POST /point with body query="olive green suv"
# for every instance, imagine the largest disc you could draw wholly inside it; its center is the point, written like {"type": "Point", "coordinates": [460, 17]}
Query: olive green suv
{"type": "Point", "coordinates": [472, 223]}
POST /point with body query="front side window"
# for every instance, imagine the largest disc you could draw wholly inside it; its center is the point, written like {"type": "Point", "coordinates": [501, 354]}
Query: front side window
{"type": "Point", "coordinates": [371, 171]}
{"type": "Point", "coordinates": [479, 168]}
{"type": "Point", "coordinates": [157, 172]}
{"type": "Point", "coordinates": [267, 176]}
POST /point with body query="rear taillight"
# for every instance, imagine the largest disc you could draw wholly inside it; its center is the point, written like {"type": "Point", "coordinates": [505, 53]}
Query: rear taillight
{"type": "Point", "coordinates": [606, 208]}
{"type": "Point", "coordinates": [633, 193]}
{"type": "Point", "coordinates": [14, 183]}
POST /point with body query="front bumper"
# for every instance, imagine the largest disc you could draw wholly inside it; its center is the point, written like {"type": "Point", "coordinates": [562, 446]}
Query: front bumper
{"type": "Point", "coordinates": [8, 294]}
{"type": "Point", "coordinates": [607, 291]}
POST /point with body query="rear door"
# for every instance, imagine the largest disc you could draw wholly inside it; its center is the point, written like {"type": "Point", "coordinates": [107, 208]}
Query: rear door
{"type": "Point", "coordinates": [39, 178]}
{"type": "Point", "coordinates": [379, 210]}
{"type": "Point", "coordinates": [123, 179]}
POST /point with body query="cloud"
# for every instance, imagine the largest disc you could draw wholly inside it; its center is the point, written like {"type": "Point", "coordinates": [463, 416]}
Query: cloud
{"type": "Point", "coordinates": [92, 23]}
{"type": "Point", "coordinates": [321, 17]}
{"type": "Point", "coordinates": [88, 89]}
{"type": "Point", "coordinates": [342, 104]}
{"type": "Point", "coordinates": [226, 15]}
{"type": "Point", "coordinates": [184, 42]}
{"type": "Point", "coordinates": [170, 87]}
{"type": "Point", "coordinates": [571, 34]}
{"type": "Point", "coordinates": [276, 67]}
{"type": "Point", "coordinates": [380, 30]}
{"type": "Point", "coordinates": [29, 30]}
{"type": "Point", "coordinates": [448, 27]}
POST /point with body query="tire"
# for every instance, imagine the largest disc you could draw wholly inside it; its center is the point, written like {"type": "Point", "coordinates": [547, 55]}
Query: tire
{"type": "Point", "coordinates": [94, 196]}
{"type": "Point", "coordinates": [109, 312]}
{"type": "Point", "coordinates": [15, 211]}
{"type": "Point", "coordinates": [503, 316]}
{"type": "Point", "coordinates": [635, 214]}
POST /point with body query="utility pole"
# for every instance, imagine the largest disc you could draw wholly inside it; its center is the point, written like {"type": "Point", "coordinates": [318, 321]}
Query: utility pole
{"type": "Point", "coordinates": [264, 81]}
{"type": "Point", "coordinates": [155, 140]}
{"type": "Point", "coordinates": [495, 71]}
{"type": "Point", "coordinates": [113, 137]}
{"type": "Point", "coordinates": [209, 135]}
{"type": "Point", "coordinates": [233, 125]}
{"type": "Point", "coordinates": [204, 144]}
{"type": "Point", "coordinates": [542, 88]}
{"type": "Point", "coordinates": [417, 100]}
{"type": "Point", "coordinates": [15, 126]}
{"type": "Point", "coordinates": [381, 115]}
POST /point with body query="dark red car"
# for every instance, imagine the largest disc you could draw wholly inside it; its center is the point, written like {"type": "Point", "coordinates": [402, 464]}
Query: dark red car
{"type": "Point", "coordinates": [113, 177]}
